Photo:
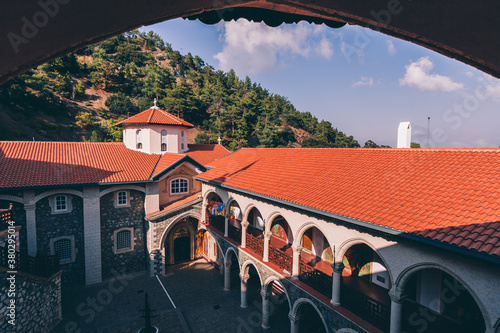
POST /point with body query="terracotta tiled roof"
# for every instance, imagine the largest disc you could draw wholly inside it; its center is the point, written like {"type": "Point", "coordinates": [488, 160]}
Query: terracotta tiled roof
{"type": "Point", "coordinates": [155, 116]}
{"type": "Point", "coordinates": [31, 164]}
{"type": "Point", "coordinates": [175, 204]}
{"type": "Point", "coordinates": [449, 195]}
{"type": "Point", "coordinates": [207, 153]}
{"type": "Point", "coordinates": [166, 160]}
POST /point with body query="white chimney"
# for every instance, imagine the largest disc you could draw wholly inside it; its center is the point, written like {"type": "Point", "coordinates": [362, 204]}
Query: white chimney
{"type": "Point", "coordinates": [404, 134]}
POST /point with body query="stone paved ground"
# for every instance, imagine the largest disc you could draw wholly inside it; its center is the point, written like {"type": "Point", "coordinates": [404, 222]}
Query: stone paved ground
{"type": "Point", "coordinates": [202, 306]}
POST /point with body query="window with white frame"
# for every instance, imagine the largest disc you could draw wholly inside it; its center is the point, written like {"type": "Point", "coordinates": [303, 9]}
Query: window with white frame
{"type": "Point", "coordinates": [60, 203]}
{"type": "Point", "coordinates": [123, 240]}
{"type": "Point", "coordinates": [122, 198]}
{"type": "Point", "coordinates": [64, 247]}
{"type": "Point", "coordinates": [163, 140]}
{"type": "Point", "coordinates": [179, 186]}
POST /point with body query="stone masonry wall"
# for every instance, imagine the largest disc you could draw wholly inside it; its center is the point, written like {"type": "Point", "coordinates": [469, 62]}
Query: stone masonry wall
{"type": "Point", "coordinates": [50, 225]}
{"type": "Point", "coordinates": [114, 218]}
{"type": "Point", "coordinates": [37, 307]}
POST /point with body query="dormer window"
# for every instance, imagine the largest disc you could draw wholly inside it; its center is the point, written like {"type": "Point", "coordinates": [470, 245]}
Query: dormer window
{"type": "Point", "coordinates": [163, 140]}
{"type": "Point", "coordinates": [179, 186]}
{"type": "Point", "coordinates": [138, 139]}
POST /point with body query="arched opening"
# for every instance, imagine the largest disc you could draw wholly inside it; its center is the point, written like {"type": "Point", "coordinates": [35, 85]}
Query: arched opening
{"type": "Point", "coordinates": [180, 243]}
{"type": "Point", "coordinates": [255, 237]}
{"type": "Point", "coordinates": [215, 212]}
{"type": "Point", "coordinates": [438, 302]}
{"type": "Point", "coordinates": [279, 307]}
{"type": "Point", "coordinates": [315, 261]}
{"type": "Point", "coordinates": [280, 244]}
{"type": "Point", "coordinates": [234, 270]}
{"type": "Point", "coordinates": [365, 285]}
{"type": "Point", "coordinates": [253, 287]}
{"type": "Point", "coordinates": [234, 216]}
{"type": "Point", "coordinates": [309, 320]}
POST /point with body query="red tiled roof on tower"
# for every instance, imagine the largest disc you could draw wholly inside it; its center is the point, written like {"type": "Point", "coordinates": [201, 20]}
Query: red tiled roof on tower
{"type": "Point", "coordinates": [155, 116]}
{"type": "Point", "coordinates": [447, 195]}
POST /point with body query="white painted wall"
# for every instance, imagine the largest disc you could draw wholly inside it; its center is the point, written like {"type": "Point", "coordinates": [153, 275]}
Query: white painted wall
{"type": "Point", "coordinates": [151, 138]}
{"type": "Point", "coordinates": [404, 135]}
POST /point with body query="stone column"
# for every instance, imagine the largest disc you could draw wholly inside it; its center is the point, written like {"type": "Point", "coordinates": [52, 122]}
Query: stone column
{"type": "Point", "coordinates": [267, 241]}
{"type": "Point", "coordinates": [244, 227]}
{"type": "Point", "coordinates": [152, 198]}
{"type": "Point", "coordinates": [30, 208]}
{"type": "Point", "coordinates": [336, 282]}
{"type": "Point", "coordinates": [227, 275]}
{"type": "Point", "coordinates": [244, 279]}
{"type": "Point", "coordinates": [266, 308]}
{"type": "Point", "coordinates": [92, 234]}
{"type": "Point", "coordinates": [397, 300]}
{"type": "Point", "coordinates": [294, 323]}
{"type": "Point", "coordinates": [297, 249]}
{"type": "Point", "coordinates": [226, 226]}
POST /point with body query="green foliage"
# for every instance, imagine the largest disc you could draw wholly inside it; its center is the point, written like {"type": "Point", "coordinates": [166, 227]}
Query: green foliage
{"type": "Point", "coordinates": [132, 67]}
{"type": "Point", "coordinates": [121, 104]}
{"type": "Point", "coordinates": [371, 144]}
{"type": "Point", "coordinates": [202, 138]}
{"type": "Point", "coordinates": [415, 145]}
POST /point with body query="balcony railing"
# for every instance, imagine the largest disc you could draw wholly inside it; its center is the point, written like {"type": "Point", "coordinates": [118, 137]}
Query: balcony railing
{"type": "Point", "coordinates": [371, 310]}
{"type": "Point", "coordinates": [5, 216]}
{"type": "Point", "coordinates": [234, 233]}
{"type": "Point", "coordinates": [280, 258]}
{"type": "Point", "coordinates": [256, 244]}
{"type": "Point", "coordinates": [439, 323]}
{"type": "Point", "coordinates": [40, 265]}
{"type": "Point", "coordinates": [217, 222]}
{"type": "Point", "coordinates": [315, 278]}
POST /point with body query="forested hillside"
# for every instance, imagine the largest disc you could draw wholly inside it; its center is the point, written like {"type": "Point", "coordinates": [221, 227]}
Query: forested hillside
{"type": "Point", "coordinates": [82, 95]}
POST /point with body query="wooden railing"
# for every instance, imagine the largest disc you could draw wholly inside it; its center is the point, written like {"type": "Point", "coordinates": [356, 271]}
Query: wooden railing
{"type": "Point", "coordinates": [17, 261]}
{"type": "Point", "coordinates": [6, 215]}
{"type": "Point", "coordinates": [217, 222]}
{"type": "Point", "coordinates": [280, 258]}
{"type": "Point", "coordinates": [255, 244]}
{"type": "Point", "coordinates": [234, 233]}
{"type": "Point", "coordinates": [439, 323]}
{"type": "Point", "coordinates": [315, 278]}
{"type": "Point", "coordinates": [366, 307]}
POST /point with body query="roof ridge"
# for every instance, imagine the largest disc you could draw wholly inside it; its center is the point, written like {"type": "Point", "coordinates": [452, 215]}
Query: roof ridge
{"type": "Point", "coordinates": [151, 115]}
{"type": "Point", "coordinates": [168, 114]}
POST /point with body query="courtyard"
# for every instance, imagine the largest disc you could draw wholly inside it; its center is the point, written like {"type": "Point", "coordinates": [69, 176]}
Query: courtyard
{"type": "Point", "coordinates": [196, 303]}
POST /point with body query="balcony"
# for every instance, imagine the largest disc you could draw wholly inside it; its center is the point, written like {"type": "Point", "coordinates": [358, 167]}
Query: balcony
{"type": "Point", "coordinates": [217, 221]}
{"type": "Point", "coordinates": [6, 215]}
{"type": "Point", "coordinates": [316, 273]}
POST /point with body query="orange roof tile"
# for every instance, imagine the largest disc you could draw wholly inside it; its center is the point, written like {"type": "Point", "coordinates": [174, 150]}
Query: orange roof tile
{"type": "Point", "coordinates": [402, 189]}
{"type": "Point", "coordinates": [207, 153]}
{"type": "Point", "coordinates": [166, 160]}
{"type": "Point", "coordinates": [36, 163]}
{"type": "Point", "coordinates": [155, 116]}
{"type": "Point", "coordinates": [176, 204]}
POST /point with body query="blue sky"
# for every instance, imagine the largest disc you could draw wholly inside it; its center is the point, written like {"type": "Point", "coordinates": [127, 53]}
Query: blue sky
{"type": "Point", "coordinates": [362, 81]}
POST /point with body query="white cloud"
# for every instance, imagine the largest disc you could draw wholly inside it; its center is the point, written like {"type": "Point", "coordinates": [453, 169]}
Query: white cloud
{"type": "Point", "coordinates": [469, 74]}
{"type": "Point", "coordinates": [491, 85]}
{"type": "Point", "coordinates": [251, 47]}
{"type": "Point", "coordinates": [364, 81]}
{"type": "Point", "coordinates": [391, 49]}
{"type": "Point", "coordinates": [418, 75]}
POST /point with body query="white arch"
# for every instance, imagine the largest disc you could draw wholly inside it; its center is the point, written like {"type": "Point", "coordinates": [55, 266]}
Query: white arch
{"type": "Point", "coordinates": [58, 191]}
{"type": "Point", "coordinates": [271, 218]}
{"type": "Point", "coordinates": [406, 274]}
{"type": "Point", "coordinates": [346, 245]}
{"type": "Point", "coordinates": [226, 255]}
{"type": "Point", "coordinates": [230, 201]}
{"type": "Point", "coordinates": [173, 223]}
{"type": "Point", "coordinates": [245, 267]}
{"type": "Point", "coordinates": [205, 197]}
{"type": "Point", "coordinates": [298, 302]}
{"type": "Point", "coordinates": [268, 284]}
{"type": "Point", "coordinates": [122, 187]}
{"type": "Point", "coordinates": [297, 239]}
{"type": "Point", "coordinates": [11, 198]}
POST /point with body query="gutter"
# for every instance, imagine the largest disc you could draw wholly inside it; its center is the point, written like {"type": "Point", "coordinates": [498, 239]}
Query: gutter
{"type": "Point", "coordinates": [367, 225]}
{"type": "Point", "coordinates": [73, 185]}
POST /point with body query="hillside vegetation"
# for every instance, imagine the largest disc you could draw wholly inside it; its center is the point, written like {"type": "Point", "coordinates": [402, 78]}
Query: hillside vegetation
{"type": "Point", "coordinates": [82, 95]}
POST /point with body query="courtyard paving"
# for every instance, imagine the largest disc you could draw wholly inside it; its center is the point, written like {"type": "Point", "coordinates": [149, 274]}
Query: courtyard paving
{"type": "Point", "coordinates": [196, 290]}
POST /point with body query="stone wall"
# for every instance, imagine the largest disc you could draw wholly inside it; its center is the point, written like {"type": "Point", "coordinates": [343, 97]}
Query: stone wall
{"type": "Point", "coordinates": [50, 225]}
{"type": "Point", "coordinates": [114, 218]}
{"type": "Point", "coordinates": [38, 303]}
